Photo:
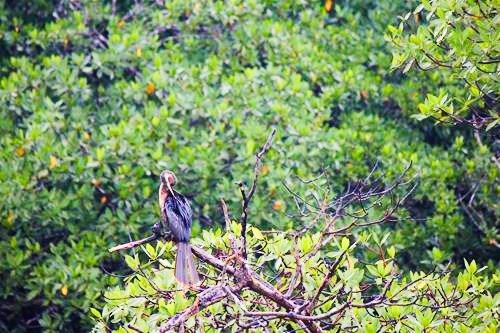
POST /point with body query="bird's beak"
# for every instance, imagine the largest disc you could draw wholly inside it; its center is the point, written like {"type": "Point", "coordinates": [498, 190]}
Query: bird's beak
{"type": "Point", "coordinates": [170, 188]}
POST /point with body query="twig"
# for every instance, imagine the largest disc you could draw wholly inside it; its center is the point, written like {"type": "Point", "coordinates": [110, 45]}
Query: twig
{"type": "Point", "coordinates": [232, 240]}
{"type": "Point", "coordinates": [226, 214]}
{"type": "Point", "coordinates": [247, 197]}
{"type": "Point", "coordinates": [298, 271]}
{"type": "Point", "coordinates": [325, 282]}
{"type": "Point", "coordinates": [113, 7]}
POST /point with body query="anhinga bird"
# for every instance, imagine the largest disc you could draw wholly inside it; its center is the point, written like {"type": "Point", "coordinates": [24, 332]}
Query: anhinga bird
{"type": "Point", "coordinates": [176, 216]}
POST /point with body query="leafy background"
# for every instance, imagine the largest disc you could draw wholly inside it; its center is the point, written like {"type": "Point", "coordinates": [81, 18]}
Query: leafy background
{"type": "Point", "coordinates": [97, 100]}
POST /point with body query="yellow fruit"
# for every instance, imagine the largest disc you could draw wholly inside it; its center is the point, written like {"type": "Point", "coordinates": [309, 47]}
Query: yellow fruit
{"type": "Point", "coordinates": [10, 218]}
{"type": "Point", "coordinates": [64, 290]}
{"type": "Point", "coordinates": [20, 151]}
{"type": "Point", "coordinates": [53, 162]}
{"type": "Point", "coordinates": [329, 4]}
{"type": "Point", "coordinates": [150, 89]}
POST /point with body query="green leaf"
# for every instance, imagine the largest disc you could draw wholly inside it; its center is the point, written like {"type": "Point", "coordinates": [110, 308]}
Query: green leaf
{"type": "Point", "coordinates": [344, 243]}
{"type": "Point", "coordinates": [250, 147]}
{"type": "Point", "coordinates": [150, 251]}
{"type": "Point", "coordinates": [391, 251]}
{"type": "Point", "coordinates": [132, 262]}
{"type": "Point", "coordinates": [257, 234]}
{"type": "Point", "coordinates": [492, 124]}
{"type": "Point", "coordinates": [95, 313]}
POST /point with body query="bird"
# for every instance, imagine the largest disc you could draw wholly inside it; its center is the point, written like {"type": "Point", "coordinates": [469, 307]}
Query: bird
{"type": "Point", "coordinates": [176, 216]}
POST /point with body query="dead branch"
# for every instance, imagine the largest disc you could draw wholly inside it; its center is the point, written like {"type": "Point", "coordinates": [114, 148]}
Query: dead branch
{"type": "Point", "coordinates": [247, 196]}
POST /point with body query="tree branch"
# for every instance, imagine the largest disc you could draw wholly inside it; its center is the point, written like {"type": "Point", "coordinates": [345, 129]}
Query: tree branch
{"type": "Point", "coordinates": [133, 244]}
{"type": "Point", "coordinates": [247, 197]}
{"type": "Point", "coordinates": [205, 299]}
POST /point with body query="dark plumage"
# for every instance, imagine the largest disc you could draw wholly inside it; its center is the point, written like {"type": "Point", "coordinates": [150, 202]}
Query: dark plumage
{"type": "Point", "coordinates": [177, 217]}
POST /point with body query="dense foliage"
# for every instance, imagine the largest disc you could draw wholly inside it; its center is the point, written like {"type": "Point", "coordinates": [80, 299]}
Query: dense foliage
{"type": "Point", "coordinates": [461, 41]}
{"type": "Point", "coordinates": [315, 278]}
{"type": "Point", "coordinates": [97, 100]}
{"type": "Point", "coordinates": [358, 297]}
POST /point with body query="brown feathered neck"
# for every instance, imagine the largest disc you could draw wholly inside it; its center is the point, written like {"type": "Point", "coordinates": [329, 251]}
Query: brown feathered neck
{"type": "Point", "coordinates": [163, 193]}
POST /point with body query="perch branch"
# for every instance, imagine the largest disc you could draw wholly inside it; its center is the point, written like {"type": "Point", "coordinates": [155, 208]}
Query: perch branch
{"type": "Point", "coordinates": [133, 244]}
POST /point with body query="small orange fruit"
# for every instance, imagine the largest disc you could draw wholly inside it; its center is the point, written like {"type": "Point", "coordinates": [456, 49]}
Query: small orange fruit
{"type": "Point", "coordinates": [150, 89]}
{"type": "Point", "coordinates": [278, 205]}
{"type": "Point", "coordinates": [329, 4]}
{"type": "Point", "coordinates": [20, 151]}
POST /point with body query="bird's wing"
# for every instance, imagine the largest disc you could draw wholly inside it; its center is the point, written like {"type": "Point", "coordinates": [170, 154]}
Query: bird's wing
{"type": "Point", "coordinates": [183, 209]}
{"type": "Point", "coordinates": [179, 221]}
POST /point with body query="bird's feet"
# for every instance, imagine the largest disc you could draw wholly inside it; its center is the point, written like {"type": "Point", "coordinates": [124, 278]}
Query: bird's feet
{"type": "Point", "coordinates": [156, 229]}
{"type": "Point", "coordinates": [159, 231]}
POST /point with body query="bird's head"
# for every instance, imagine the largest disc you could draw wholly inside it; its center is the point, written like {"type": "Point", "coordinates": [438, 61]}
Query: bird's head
{"type": "Point", "coordinates": [168, 178]}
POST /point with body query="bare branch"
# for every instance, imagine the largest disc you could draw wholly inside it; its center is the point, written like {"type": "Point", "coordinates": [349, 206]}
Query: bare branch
{"type": "Point", "coordinates": [133, 244]}
{"type": "Point", "coordinates": [227, 220]}
{"type": "Point", "coordinates": [247, 197]}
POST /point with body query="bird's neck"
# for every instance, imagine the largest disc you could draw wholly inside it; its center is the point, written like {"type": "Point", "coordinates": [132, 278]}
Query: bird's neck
{"type": "Point", "coordinates": [163, 193]}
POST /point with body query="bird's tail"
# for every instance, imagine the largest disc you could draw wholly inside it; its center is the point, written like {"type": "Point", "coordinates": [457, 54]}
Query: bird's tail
{"type": "Point", "coordinates": [185, 270]}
